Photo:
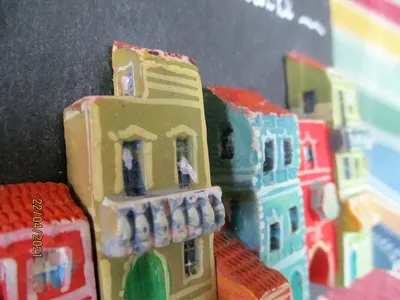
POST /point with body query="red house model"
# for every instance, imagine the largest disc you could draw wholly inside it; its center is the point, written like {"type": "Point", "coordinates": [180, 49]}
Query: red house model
{"type": "Point", "coordinates": [321, 205]}
{"type": "Point", "coordinates": [45, 246]}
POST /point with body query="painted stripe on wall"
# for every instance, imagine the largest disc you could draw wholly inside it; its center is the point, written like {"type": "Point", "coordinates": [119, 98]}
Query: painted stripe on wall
{"type": "Point", "coordinates": [385, 9]}
{"type": "Point", "coordinates": [367, 64]}
{"type": "Point", "coordinates": [365, 26]}
{"type": "Point", "coordinates": [384, 164]}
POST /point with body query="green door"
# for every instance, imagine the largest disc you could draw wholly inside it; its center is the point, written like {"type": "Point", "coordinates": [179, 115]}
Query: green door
{"type": "Point", "coordinates": [149, 278]}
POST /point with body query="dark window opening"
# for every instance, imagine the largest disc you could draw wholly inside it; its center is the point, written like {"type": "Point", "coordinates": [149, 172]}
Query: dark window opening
{"type": "Point", "coordinates": [191, 263]}
{"type": "Point", "coordinates": [347, 171]}
{"type": "Point", "coordinates": [294, 219]}
{"type": "Point", "coordinates": [288, 151]}
{"type": "Point", "coordinates": [309, 156]}
{"type": "Point", "coordinates": [132, 168]}
{"type": "Point", "coordinates": [227, 143]}
{"type": "Point", "coordinates": [182, 153]}
{"type": "Point", "coordinates": [275, 236]}
{"type": "Point", "coordinates": [309, 102]}
{"type": "Point", "coordinates": [268, 165]}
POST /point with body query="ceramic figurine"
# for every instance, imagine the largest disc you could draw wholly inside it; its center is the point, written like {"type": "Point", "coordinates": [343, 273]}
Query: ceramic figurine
{"type": "Point", "coordinates": [254, 157]}
{"type": "Point", "coordinates": [45, 244]}
{"type": "Point", "coordinates": [386, 248]}
{"type": "Point", "coordinates": [321, 203]}
{"type": "Point", "coordinates": [242, 275]}
{"type": "Point", "coordinates": [138, 161]}
{"type": "Point", "coordinates": [318, 92]}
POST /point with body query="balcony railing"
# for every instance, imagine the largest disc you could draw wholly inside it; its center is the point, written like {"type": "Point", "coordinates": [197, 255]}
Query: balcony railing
{"type": "Point", "coordinates": [132, 225]}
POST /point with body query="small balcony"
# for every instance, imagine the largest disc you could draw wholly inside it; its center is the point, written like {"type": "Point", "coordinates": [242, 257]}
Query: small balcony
{"type": "Point", "coordinates": [138, 224]}
{"type": "Point", "coordinates": [350, 139]}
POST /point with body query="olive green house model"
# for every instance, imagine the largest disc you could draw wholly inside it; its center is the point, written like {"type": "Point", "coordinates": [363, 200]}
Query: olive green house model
{"type": "Point", "coordinates": [138, 161]}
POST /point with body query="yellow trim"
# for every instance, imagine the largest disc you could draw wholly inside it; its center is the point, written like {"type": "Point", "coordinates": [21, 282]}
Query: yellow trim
{"type": "Point", "coordinates": [172, 89]}
{"type": "Point", "coordinates": [119, 180]}
{"type": "Point", "coordinates": [199, 248]}
{"type": "Point", "coordinates": [98, 188]}
{"type": "Point", "coordinates": [105, 278]}
{"type": "Point", "coordinates": [192, 134]}
{"type": "Point", "coordinates": [364, 26]}
{"type": "Point", "coordinates": [173, 79]}
{"type": "Point", "coordinates": [147, 64]}
{"type": "Point", "coordinates": [133, 130]}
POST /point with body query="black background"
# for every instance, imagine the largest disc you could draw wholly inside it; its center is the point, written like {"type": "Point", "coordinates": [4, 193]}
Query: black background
{"type": "Point", "coordinates": [53, 52]}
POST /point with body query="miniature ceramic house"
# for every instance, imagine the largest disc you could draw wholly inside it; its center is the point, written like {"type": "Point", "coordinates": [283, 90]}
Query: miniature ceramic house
{"type": "Point", "coordinates": [242, 275]}
{"type": "Point", "coordinates": [140, 165]}
{"type": "Point", "coordinates": [321, 204]}
{"type": "Point", "coordinates": [254, 157]}
{"type": "Point", "coordinates": [386, 248]}
{"type": "Point", "coordinates": [357, 217]}
{"type": "Point", "coordinates": [45, 246]}
{"type": "Point", "coordinates": [318, 92]}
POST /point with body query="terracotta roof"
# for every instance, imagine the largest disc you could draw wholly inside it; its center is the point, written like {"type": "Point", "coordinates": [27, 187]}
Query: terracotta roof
{"type": "Point", "coordinates": [155, 52]}
{"type": "Point", "coordinates": [306, 60]}
{"type": "Point", "coordinates": [249, 100]}
{"type": "Point", "coordinates": [245, 270]}
{"type": "Point", "coordinates": [16, 205]}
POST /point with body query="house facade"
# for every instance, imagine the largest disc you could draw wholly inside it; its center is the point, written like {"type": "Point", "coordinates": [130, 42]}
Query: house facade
{"type": "Point", "coordinates": [45, 246]}
{"type": "Point", "coordinates": [321, 203]}
{"type": "Point", "coordinates": [319, 93]}
{"type": "Point", "coordinates": [150, 194]}
{"type": "Point", "coordinates": [254, 157]}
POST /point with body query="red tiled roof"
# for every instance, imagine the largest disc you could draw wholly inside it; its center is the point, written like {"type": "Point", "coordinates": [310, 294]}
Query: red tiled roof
{"type": "Point", "coordinates": [156, 52]}
{"type": "Point", "coordinates": [247, 99]}
{"type": "Point", "coordinates": [245, 268]}
{"type": "Point", "coordinates": [306, 60]}
{"type": "Point", "coordinates": [16, 205]}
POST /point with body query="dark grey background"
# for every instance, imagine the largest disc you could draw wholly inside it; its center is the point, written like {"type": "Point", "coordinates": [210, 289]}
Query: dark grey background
{"type": "Point", "coordinates": [53, 52]}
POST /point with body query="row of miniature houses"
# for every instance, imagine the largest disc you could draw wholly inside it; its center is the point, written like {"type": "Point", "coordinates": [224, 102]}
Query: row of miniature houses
{"type": "Point", "coordinates": [142, 163]}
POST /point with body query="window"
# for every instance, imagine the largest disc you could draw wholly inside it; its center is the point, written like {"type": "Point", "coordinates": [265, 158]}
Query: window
{"type": "Point", "coordinates": [182, 157]}
{"type": "Point", "coordinates": [192, 266]}
{"type": "Point", "coordinates": [50, 271]}
{"type": "Point", "coordinates": [294, 219]}
{"type": "Point", "coordinates": [126, 80]}
{"type": "Point", "coordinates": [132, 160]}
{"type": "Point", "coordinates": [308, 156]}
{"type": "Point", "coordinates": [288, 151]}
{"type": "Point", "coordinates": [268, 165]}
{"type": "Point", "coordinates": [275, 235]}
{"type": "Point", "coordinates": [309, 102]}
{"type": "Point", "coordinates": [347, 172]}
{"type": "Point", "coordinates": [227, 143]}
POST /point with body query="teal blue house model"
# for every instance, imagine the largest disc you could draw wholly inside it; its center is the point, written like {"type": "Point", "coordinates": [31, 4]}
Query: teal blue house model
{"type": "Point", "coordinates": [254, 157]}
